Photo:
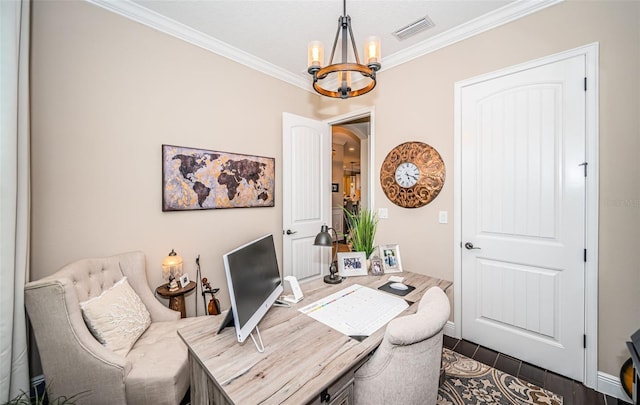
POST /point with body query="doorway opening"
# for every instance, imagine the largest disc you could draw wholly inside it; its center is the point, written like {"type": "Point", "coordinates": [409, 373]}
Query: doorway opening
{"type": "Point", "coordinates": [350, 174]}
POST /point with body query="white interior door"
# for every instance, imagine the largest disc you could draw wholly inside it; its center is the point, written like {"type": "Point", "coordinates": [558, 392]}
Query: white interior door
{"type": "Point", "coordinates": [306, 166]}
{"type": "Point", "coordinates": [523, 214]}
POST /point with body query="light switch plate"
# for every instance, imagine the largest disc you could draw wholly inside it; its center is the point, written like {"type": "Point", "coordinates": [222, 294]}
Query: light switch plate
{"type": "Point", "coordinates": [443, 217]}
{"type": "Point", "coordinates": [383, 213]}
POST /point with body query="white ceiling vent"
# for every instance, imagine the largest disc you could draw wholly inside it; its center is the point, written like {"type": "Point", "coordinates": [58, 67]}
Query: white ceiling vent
{"type": "Point", "coordinates": [413, 28]}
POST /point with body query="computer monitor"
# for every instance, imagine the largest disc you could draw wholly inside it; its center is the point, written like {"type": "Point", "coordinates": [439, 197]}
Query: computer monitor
{"type": "Point", "coordinates": [254, 282]}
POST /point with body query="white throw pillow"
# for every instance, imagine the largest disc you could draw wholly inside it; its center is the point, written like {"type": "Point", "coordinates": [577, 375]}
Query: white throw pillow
{"type": "Point", "coordinates": [117, 317]}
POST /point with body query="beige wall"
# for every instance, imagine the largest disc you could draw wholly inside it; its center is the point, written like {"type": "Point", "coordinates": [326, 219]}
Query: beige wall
{"type": "Point", "coordinates": [425, 113]}
{"type": "Point", "coordinates": [108, 92]}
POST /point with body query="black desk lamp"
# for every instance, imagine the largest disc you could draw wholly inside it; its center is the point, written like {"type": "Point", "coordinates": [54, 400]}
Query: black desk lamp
{"type": "Point", "coordinates": [324, 239]}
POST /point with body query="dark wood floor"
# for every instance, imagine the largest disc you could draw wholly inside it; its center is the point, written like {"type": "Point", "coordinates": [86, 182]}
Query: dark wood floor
{"type": "Point", "coordinates": [573, 392]}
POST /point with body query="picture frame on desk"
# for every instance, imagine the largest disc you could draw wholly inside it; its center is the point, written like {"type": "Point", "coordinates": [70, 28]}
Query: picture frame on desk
{"type": "Point", "coordinates": [184, 280]}
{"type": "Point", "coordinates": [390, 255]}
{"type": "Point", "coordinates": [352, 264]}
{"type": "Point", "coordinates": [376, 265]}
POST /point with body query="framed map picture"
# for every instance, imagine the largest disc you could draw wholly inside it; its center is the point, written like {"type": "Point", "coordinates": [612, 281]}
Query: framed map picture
{"type": "Point", "coordinates": [200, 179]}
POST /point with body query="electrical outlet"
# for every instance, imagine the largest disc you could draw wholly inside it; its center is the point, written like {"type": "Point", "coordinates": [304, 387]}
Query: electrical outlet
{"type": "Point", "coordinates": [383, 213]}
{"type": "Point", "coordinates": [443, 217]}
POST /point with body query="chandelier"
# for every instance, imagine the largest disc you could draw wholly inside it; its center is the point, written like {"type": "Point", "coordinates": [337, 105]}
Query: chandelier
{"type": "Point", "coordinates": [340, 76]}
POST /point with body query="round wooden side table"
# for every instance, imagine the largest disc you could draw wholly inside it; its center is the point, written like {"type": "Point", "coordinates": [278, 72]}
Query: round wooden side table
{"type": "Point", "coordinates": [176, 298]}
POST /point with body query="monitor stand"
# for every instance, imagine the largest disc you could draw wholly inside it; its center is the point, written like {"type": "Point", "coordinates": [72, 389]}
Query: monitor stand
{"type": "Point", "coordinates": [228, 321]}
{"type": "Point", "coordinates": [260, 347]}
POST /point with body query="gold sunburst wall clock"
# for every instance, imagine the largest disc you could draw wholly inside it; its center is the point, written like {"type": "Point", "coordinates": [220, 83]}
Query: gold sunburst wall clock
{"type": "Point", "coordinates": [412, 174]}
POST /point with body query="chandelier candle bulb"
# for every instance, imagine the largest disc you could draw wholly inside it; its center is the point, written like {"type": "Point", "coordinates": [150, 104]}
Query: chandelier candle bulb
{"type": "Point", "coordinates": [315, 57]}
{"type": "Point", "coordinates": [345, 79]}
{"type": "Point", "coordinates": [372, 51]}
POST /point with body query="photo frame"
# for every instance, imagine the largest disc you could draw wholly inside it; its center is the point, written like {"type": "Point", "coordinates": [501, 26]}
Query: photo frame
{"type": "Point", "coordinates": [390, 255]}
{"type": "Point", "coordinates": [376, 265]}
{"type": "Point", "coordinates": [352, 264]}
{"type": "Point", "coordinates": [335, 187]}
{"type": "Point", "coordinates": [184, 280]}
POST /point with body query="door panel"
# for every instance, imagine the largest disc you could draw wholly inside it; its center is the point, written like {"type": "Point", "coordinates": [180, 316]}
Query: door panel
{"type": "Point", "coordinates": [306, 194]}
{"type": "Point", "coordinates": [523, 207]}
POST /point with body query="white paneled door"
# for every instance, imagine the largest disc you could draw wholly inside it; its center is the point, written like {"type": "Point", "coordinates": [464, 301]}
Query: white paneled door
{"type": "Point", "coordinates": [523, 214]}
{"type": "Point", "coordinates": [306, 167]}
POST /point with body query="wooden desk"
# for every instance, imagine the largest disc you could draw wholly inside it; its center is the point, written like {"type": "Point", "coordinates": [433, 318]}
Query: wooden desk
{"type": "Point", "coordinates": [303, 357]}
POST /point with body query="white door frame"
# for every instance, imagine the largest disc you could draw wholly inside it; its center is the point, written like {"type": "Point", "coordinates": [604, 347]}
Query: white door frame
{"type": "Point", "coordinates": [364, 112]}
{"type": "Point", "coordinates": [590, 53]}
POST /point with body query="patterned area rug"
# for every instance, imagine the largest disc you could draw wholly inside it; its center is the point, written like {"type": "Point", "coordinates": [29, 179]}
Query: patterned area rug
{"type": "Point", "coordinates": [469, 382]}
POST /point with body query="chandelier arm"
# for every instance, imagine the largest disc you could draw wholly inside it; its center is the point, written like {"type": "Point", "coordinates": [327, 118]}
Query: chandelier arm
{"type": "Point", "coordinates": [345, 24]}
{"type": "Point", "coordinates": [353, 44]}
{"type": "Point", "coordinates": [335, 42]}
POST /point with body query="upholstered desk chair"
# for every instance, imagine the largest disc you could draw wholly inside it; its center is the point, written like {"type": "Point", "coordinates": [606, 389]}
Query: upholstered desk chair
{"type": "Point", "coordinates": [151, 368]}
{"type": "Point", "coordinates": [406, 366]}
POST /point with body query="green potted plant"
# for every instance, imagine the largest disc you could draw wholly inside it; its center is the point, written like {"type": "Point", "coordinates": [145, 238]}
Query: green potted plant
{"type": "Point", "coordinates": [361, 230]}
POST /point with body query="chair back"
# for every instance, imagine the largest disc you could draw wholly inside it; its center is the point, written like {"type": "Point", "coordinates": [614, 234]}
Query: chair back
{"type": "Point", "coordinates": [72, 359]}
{"type": "Point", "coordinates": [405, 369]}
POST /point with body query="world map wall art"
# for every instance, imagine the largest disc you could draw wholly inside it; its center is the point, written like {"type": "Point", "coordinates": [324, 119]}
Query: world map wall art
{"type": "Point", "coordinates": [199, 179]}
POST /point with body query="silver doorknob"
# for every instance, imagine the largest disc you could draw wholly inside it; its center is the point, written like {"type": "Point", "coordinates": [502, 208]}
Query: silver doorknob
{"type": "Point", "coordinates": [470, 246]}
{"type": "Point", "coordinates": [290, 232]}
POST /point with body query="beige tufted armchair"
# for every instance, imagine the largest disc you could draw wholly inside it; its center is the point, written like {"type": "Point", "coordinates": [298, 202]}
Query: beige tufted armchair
{"type": "Point", "coordinates": [155, 370]}
{"type": "Point", "coordinates": [405, 369]}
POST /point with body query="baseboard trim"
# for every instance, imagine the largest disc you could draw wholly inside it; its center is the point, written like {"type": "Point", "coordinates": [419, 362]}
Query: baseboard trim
{"type": "Point", "coordinates": [450, 329]}
{"type": "Point", "coordinates": [610, 385]}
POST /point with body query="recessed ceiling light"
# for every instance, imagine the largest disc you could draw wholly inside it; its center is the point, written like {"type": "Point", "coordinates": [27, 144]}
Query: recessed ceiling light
{"type": "Point", "coordinates": [414, 28]}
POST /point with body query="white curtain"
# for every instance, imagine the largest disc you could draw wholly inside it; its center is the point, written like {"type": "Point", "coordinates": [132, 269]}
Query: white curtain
{"type": "Point", "coordinates": [14, 195]}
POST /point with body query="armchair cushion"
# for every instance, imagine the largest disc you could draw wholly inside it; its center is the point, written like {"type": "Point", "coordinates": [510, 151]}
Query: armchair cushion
{"type": "Point", "coordinates": [117, 317]}
{"type": "Point", "coordinates": [160, 372]}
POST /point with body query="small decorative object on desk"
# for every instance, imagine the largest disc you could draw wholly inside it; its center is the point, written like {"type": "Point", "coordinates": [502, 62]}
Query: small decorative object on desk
{"type": "Point", "coordinates": [391, 258]}
{"type": "Point", "coordinates": [184, 280]}
{"type": "Point", "coordinates": [376, 265]}
{"type": "Point", "coordinates": [173, 284]}
{"type": "Point", "coordinates": [352, 264]}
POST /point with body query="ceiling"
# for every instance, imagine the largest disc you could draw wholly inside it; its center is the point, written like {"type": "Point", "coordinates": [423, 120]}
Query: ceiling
{"type": "Point", "coordinates": [272, 35]}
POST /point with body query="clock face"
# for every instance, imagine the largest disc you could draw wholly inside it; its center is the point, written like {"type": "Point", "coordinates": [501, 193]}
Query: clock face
{"type": "Point", "coordinates": [407, 174]}
{"type": "Point", "coordinates": [412, 174]}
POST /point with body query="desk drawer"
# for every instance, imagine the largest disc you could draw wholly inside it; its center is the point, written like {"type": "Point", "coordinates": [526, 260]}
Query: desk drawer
{"type": "Point", "coordinates": [341, 391]}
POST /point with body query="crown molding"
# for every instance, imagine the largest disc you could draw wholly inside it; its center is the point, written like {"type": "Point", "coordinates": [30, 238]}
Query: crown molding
{"type": "Point", "coordinates": [503, 15]}
{"type": "Point", "coordinates": [496, 18]}
{"type": "Point", "coordinates": [135, 12]}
